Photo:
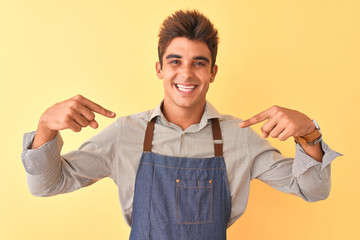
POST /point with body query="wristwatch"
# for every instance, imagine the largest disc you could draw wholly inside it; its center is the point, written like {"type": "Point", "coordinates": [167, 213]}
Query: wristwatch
{"type": "Point", "coordinates": [311, 138]}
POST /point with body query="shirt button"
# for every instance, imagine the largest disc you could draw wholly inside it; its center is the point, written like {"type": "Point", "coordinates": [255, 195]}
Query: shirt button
{"type": "Point", "coordinates": [183, 134]}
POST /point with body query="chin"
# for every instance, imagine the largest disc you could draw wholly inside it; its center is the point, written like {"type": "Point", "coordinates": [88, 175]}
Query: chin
{"type": "Point", "coordinates": [189, 105]}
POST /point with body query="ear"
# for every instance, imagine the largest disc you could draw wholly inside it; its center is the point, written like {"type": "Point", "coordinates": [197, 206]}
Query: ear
{"type": "Point", "coordinates": [159, 72]}
{"type": "Point", "coordinates": [213, 73]}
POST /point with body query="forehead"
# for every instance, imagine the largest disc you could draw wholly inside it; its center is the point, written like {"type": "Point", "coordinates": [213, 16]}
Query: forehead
{"type": "Point", "coordinates": [187, 48]}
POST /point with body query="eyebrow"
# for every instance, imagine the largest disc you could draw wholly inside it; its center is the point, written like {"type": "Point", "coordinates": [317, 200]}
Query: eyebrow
{"type": "Point", "coordinates": [195, 58]}
{"type": "Point", "coordinates": [202, 58]}
{"type": "Point", "coordinates": [173, 56]}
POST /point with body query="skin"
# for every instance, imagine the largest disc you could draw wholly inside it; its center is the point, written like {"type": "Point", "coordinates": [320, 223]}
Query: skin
{"type": "Point", "coordinates": [186, 74]}
{"type": "Point", "coordinates": [283, 123]}
{"type": "Point", "coordinates": [186, 63]}
{"type": "Point", "coordinates": [74, 113]}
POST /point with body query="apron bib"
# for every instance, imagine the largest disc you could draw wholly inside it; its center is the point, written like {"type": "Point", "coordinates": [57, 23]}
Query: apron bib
{"type": "Point", "coordinates": [181, 198]}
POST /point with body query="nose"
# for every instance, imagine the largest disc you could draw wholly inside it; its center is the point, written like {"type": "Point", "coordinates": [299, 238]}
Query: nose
{"type": "Point", "coordinates": [187, 72]}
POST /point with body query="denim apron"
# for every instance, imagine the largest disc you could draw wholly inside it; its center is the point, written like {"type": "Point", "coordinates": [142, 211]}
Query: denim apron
{"type": "Point", "coordinates": [181, 198]}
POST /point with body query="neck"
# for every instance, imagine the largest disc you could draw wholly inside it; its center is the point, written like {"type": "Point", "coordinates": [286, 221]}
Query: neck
{"type": "Point", "coordinates": [183, 117]}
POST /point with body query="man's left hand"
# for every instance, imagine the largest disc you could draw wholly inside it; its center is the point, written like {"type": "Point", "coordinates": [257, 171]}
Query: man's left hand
{"type": "Point", "coordinates": [281, 123]}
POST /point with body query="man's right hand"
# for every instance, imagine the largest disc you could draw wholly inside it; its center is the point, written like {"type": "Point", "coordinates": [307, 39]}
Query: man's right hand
{"type": "Point", "coordinates": [74, 113]}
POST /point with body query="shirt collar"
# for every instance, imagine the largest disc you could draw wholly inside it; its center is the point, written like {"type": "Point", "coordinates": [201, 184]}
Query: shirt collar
{"type": "Point", "coordinates": [209, 113]}
{"type": "Point", "coordinates": [157, 112]}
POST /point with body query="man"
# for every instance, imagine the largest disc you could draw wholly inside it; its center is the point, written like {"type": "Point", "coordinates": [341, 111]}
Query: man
{"type": "Point", "coordinates": [195, 168]}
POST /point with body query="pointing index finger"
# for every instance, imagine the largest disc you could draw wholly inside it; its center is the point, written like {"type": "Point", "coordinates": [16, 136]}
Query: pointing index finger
{"type": "Point", "coordinates": [255, 119]}
{"type": "Point", "coordinates": [97, 108]}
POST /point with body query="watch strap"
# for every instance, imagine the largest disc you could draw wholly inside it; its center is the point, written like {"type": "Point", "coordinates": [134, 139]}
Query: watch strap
{"type": "Point", "coordinates": [309, 139]}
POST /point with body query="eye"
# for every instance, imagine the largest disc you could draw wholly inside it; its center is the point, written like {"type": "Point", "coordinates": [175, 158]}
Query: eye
{"type": "Point", "coordinates": [199, 64]}
{"type": "Point", "coordinates": [175, 62]}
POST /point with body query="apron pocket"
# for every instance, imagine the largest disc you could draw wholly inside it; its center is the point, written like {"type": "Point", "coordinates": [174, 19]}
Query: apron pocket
{"type": "Point", "coordinates": [194, 201]}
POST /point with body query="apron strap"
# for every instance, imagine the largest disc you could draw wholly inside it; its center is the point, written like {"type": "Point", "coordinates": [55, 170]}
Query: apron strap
{"type": "Point", "coordinates": [149, 135]}
{"type": "Point", "coordinates": [218, 143]}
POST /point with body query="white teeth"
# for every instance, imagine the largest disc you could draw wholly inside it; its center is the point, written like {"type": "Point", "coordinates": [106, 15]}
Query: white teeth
{"type": "Point", "coordinates": [184, 88]}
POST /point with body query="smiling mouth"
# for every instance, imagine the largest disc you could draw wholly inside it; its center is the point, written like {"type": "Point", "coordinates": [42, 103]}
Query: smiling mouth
{"type": "Point", "coordinates": [184, 88]}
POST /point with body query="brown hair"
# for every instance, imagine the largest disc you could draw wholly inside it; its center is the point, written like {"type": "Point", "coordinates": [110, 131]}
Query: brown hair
{"type": "Point", "coordinates": [190, 24]}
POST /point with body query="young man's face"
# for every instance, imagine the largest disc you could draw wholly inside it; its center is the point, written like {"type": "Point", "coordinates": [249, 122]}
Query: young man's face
{"type": "Point", "coordinates": [186, 73]}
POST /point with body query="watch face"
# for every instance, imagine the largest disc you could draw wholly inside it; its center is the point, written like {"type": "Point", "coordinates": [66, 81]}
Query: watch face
{"type": "Point", "coordinates": [316, 124]}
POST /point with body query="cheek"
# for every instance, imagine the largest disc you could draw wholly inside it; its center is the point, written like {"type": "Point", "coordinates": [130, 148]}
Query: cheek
{"type": "Point", "coordinates": [168, 75]}
{"type": "Point", "coordinates": [167, 84]}
{"type": "Point", "coordinates": [205, 77]}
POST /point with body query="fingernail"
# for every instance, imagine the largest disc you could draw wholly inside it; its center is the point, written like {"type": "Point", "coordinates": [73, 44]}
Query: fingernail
{"type": "Point", "coordinates": [112, 114]}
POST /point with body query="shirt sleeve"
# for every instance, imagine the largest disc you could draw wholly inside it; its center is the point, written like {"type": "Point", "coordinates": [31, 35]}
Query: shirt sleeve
{"type": "Point", "coordinates": [50, 173]}
{"type": "Point", "coordinates": [302, 176]}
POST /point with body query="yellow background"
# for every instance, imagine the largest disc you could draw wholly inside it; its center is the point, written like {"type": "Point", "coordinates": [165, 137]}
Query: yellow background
{"type": "Point", "coordinates": [303, 55]}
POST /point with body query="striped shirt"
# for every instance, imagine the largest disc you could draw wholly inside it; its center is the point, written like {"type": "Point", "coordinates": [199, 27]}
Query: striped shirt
{"type": "Point", "coordinates": [115, 152]}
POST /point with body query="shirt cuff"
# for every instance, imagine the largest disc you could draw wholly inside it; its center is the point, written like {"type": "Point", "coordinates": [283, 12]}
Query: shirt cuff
{"type": "Point", "coordinates": [303, 161]}
{"type": "Point", "coordinates": [38, 161]}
